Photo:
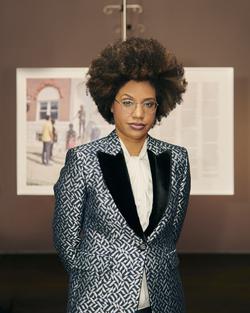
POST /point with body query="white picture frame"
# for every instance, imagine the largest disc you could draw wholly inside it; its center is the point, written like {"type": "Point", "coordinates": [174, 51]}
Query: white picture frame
{"type": "Point", "coordinates": [59, 92]}
{"type": "Point", "coordinates": [203, 123]}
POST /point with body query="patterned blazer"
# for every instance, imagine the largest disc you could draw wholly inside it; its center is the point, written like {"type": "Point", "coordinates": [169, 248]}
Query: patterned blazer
{"type": "Point", "coordinates": [98, 235]}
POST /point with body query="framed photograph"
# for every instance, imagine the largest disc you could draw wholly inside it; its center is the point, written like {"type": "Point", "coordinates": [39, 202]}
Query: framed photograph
{"type": "Point", "coordinates": [55, 113]}
{"type": "Point", "coordinates": [204, 124]}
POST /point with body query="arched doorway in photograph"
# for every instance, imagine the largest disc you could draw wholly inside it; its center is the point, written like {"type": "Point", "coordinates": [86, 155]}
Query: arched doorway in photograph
{"type": "Point", "coordinates": [48, 101]}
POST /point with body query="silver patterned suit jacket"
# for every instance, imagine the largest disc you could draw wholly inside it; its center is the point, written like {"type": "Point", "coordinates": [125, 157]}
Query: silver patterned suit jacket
{"type": "Point", "coordinates": [98, 235]}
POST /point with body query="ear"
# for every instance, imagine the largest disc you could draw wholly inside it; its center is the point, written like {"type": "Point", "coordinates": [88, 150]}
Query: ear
{"type": "Point", "coordinates": [111, 109]}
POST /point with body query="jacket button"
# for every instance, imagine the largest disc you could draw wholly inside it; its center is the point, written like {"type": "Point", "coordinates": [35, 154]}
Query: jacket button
{"type": "Point", "coordinates": [143, 246]}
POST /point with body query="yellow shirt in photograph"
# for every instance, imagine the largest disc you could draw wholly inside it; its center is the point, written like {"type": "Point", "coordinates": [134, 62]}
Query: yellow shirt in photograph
{"type": "Point", "coordinates": [47, 131]}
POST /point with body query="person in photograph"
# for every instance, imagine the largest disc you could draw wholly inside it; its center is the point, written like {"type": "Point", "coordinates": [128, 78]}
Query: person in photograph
{"type": "Point", "coordinates": [54, 138]}
{"type": "Point", "coordinates": [93, 132]}
{"type": "Point", "coordinates": [70, 137]}
{"type": "Point", "coordinates": [81, 120]}
{"type": "Point", "coordinates": [47, 139]}
{"type": "Point", "coordinates": [120, 201]}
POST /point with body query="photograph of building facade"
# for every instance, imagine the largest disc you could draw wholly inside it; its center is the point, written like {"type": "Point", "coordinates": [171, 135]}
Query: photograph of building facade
{"type": "Point", "coordinates": [59, 116]}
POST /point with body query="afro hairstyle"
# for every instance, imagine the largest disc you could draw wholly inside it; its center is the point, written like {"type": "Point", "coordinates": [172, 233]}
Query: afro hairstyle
{"type": "Point", "coordinates": [136, 59]}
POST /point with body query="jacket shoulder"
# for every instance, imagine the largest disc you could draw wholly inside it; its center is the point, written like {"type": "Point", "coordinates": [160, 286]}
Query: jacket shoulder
{"type": "Point", "coordinates": [89, 148]}
{"type": "Point", "coordinates": [164, 145]}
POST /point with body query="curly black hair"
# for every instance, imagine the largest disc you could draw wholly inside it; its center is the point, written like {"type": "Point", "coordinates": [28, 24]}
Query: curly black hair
{"type": "Point", "coordinates": [140, 60]}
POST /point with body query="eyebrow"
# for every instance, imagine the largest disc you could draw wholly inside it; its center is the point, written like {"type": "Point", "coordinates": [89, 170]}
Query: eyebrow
{"type": "Point", "coordinates": [149, 98]}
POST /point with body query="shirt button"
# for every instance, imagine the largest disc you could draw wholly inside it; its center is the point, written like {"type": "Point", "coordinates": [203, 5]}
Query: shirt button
{"type": "Point", "coordinates": [143, 246]}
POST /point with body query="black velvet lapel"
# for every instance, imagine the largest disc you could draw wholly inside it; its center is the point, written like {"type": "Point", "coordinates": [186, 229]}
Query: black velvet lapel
{"type": "Point", "coordinates": [161, 176]}
{"type": "Point", "coordinates": [116, 177]}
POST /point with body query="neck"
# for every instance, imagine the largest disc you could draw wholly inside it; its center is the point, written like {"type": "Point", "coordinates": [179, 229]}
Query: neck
{"type": "Point", "coordinates": [133, 146]}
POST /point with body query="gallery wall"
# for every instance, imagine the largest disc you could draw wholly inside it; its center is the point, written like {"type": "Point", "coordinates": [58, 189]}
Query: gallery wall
{"type": "Point", "coordinates": [64, 33]}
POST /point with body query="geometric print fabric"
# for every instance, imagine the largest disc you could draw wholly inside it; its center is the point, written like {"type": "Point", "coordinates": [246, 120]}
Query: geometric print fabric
{"type": "Point", "coordinates": [102, 253]}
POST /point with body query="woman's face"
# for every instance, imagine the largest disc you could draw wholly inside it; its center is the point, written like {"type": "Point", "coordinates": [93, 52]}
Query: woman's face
{"type": "Point", "coordinates": [136, 124]}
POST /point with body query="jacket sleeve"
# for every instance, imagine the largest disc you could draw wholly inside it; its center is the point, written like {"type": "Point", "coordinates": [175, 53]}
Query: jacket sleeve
{"type": "Point", "coordinates": [70, 197]}
{"type": "Point", "coordinates": [183, 197]}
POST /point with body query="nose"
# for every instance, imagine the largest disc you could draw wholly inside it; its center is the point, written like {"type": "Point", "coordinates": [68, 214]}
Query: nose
{"type": "Point", "coordinates": [138, 111]}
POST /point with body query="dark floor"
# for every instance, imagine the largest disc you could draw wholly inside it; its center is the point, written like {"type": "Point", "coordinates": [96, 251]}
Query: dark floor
{"type": "Point", "coordinates": [212, 283]}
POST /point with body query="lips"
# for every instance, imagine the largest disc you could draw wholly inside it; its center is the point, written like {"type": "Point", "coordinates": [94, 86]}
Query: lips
{"type": "Point", "coordinates": [137, 126]}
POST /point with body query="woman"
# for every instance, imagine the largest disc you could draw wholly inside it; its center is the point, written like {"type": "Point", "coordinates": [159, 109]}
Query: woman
{"type": "Point", "coordinates": [121, 200]}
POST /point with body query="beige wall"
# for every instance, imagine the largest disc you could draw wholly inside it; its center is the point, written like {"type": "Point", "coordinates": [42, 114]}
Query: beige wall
{"type": "Point", "coordinates": [63, 33]}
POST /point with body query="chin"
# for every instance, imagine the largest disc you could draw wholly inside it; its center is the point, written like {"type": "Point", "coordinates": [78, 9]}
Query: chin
{"type": "Point", "coordinates": [138, 135]}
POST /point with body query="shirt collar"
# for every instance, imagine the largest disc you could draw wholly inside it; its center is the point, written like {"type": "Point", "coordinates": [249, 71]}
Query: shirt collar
{"type": "Point", "coordinates": [142, 155]}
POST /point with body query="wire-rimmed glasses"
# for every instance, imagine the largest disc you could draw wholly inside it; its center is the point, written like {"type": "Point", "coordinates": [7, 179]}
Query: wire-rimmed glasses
{"type": "Point", "coordinates": [129, 105]}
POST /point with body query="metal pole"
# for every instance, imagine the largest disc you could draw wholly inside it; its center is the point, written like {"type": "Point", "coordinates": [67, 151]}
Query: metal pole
{"type": "Point", "coordinates": [136, 8]}
{"type": "Point", "coordinates": [124, 20]}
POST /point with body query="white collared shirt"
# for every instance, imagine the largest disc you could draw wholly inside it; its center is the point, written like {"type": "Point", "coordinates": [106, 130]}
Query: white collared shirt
{"type": "Point", "coordinates": [141, 183]}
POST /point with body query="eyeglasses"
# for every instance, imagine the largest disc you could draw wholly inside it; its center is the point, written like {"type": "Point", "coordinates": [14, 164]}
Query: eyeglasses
{"type": "Point", "coordinates": [129, 105]}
